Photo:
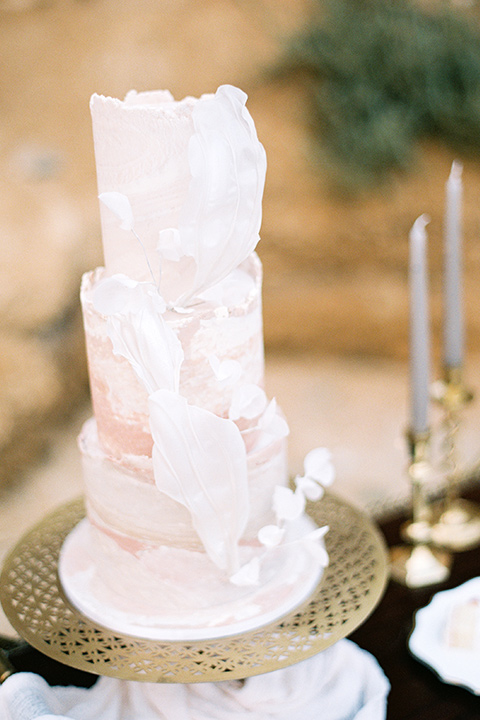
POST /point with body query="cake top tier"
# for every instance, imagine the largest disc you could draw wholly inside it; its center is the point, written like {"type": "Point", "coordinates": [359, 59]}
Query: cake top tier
{"type": "Point", "coordinates": [181, 185]}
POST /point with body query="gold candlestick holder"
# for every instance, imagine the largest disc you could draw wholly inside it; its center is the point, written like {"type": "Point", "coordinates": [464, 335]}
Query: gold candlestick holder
{"type": "Point", "coordinates": [458, 525]}
{"type": "Point", "coordinates": [6, 668]}
{"type": "Point", "coordinates": [417, 564]}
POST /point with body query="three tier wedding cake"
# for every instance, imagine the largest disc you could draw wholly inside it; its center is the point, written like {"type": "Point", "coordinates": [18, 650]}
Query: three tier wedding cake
{"type": "Point", "coordinates": [191, 529]}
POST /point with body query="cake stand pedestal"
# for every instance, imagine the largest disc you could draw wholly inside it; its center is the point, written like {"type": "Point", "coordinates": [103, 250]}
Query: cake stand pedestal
{"type": "Point", "coordinates": [351, 587]}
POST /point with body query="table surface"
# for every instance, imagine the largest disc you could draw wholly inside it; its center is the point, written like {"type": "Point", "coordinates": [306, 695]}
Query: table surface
{"type": "Point", "coordinates": [416, 692]}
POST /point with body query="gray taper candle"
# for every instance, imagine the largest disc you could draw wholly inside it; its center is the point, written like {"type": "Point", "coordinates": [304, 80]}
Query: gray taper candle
{"type": "Point", "coordinates": [453, 321]}
{"type": "Point", "coordinates": [419, 328]}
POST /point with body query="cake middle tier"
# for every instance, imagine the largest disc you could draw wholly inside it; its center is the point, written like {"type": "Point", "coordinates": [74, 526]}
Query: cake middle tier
{"type": "Point", "coordinates": [225, 325]}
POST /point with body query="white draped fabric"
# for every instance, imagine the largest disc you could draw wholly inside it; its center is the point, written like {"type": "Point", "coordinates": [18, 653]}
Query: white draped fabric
{"type": "Point", "coordinates": [341, 683]}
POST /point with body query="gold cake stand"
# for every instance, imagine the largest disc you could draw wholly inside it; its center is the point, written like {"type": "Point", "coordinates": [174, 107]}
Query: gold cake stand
{"type": "Point", "coordinates": [351, 587]}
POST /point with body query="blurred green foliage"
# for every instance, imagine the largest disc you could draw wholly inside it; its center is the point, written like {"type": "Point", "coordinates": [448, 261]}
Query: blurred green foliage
{"type": "Point", "coordinates": [383, 74]}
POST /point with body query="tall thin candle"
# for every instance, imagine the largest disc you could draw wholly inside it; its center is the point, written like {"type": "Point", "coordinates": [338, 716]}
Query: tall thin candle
{"type": "Point", "coordinates": [419, 328]}
{"type": "Point", "coordinates": [453, 323]}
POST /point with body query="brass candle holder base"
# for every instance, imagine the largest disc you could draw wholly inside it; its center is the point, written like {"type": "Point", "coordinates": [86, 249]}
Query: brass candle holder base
{"type": "Point", "coordinates": [457, 526]}
{"type": "Point", "coordinates": [6, 668]}
{"type": "Point", "coordinates": [417, 564]}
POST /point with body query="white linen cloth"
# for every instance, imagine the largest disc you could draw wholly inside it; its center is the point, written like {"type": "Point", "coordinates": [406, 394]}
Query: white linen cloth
{"type": "Point", "coordinates": [341, 683]}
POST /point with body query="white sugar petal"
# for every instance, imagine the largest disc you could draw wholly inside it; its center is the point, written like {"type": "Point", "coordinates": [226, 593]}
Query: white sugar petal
{"type": "Point", "coordinates": [288, 505]}
{"type": "Point", "coordinates": [120, 294]}
{"type": "Point", "coordinates": [310, 488]}
{"type": "Point", "coordinates": [248, 401]}
{"type": "Point", "coordinates": [316, 544]}
{"type": "Point", "coordinates": [119, 204]}
{"type": "Point", "coordinates": [271, 535]}
{"type": "Point", "coordinates": [200, 461]}
{"type": "Point", "coordinates": [248, 575]}
{"type": "Point", "coordinates": [272, 422]}
{"type": "Point", "coordinates": [226, 371]}
{"type": "Point", "coordinates": [279, 427]}
{"type": "Point", "coordinates": [319, 533]}
{"type": "Point", "coordinates": [269, 415]}
{"type": "Point", "coordinates": [319, 552]}
{"type": "Point", "coordinates": [318, 466]}
{"type": "Point", "coordinates": [111, 295]}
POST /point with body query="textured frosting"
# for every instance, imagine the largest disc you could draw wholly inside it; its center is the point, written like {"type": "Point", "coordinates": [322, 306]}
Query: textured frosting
{"type": "Point", "coordinates": [127, 502]}
{"type": "Point", "coordinates": [223, 331]}
{"type": "Point", "coordinates": [141, 150]}
{"type": "Point", "coordinates": [192, 173]}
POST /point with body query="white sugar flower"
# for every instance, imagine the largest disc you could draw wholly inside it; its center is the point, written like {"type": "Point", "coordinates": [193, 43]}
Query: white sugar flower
{"type": "Point", "coordinates": [288, 505]}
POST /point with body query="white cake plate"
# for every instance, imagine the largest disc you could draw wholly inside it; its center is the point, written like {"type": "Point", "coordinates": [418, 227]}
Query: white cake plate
{"type": "Point", "coordinates": [36, 606]}
{"type": "Point", "coordinates": [293, 576]}
{"type": "Point", "coordinates": [454, 665]}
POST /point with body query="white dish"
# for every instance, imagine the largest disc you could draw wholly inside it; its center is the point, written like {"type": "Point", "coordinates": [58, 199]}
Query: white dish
{"type": "Point", "coordinates": [454, 665]}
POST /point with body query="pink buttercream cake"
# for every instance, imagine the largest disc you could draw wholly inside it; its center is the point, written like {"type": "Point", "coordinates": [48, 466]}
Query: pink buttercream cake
{"type": "Point", "coordinates": [191, 530]}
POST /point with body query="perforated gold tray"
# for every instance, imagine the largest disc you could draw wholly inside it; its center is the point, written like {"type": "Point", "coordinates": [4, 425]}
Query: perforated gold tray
{"type": "Point", "coordinates": [351, 587]}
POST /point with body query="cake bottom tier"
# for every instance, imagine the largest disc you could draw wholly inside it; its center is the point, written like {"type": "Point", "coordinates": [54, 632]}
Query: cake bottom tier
{"type": "Point", "coordinates": [169, 593]}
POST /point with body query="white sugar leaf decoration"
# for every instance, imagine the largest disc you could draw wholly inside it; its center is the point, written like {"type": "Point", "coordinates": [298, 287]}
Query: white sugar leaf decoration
{"type": "Point", "coordinates": [248, 401]}
{"type": "Point", "coordinates": [318, 533]}
{"type": "Point", "coordinates": [121, 294]}
{"type": "Point", "coordinates": [319, 552]}
{"type": "Point", "coordinates": [119, 204]}
{"type": "Point", "coordinates": [139, 332]}
{"type": "Point", "coordinates": [271, 535]}
{"type": "Point", "coordinates": [221, 217]}
{"type": "Point", "coordinates": [150, 346]}
{"type": "Point", "coordinates": [288, 505]}
{"type": "Point", "coordinates": [248, 575]}
{"type": "Point", "coordinates": [318, 466]}
{"type": "Point", "coordinates": [316, 545]}
{"type": "Point", "coordinates": [200, 461]}
{"type": "Point", "coordinates": [113, 294]}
